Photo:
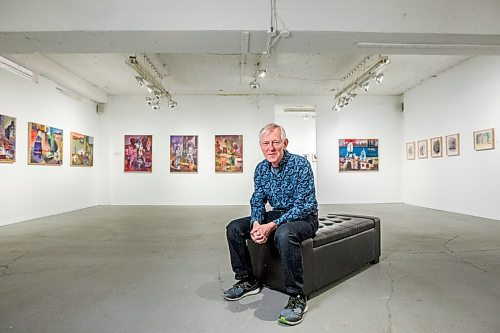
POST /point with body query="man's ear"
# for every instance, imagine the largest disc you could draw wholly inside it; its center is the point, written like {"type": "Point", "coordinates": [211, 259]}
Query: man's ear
{"type": "Point", "coordinates": [285, 143]}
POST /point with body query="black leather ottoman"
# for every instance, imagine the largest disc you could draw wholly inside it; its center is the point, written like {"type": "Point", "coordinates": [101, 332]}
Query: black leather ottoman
{"type": "Point", "coordinates": [342, 245]}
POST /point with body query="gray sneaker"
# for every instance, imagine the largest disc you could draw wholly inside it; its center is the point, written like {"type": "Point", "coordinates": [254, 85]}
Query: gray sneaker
{"type": "Point", "coordinates": [241, 289]}
{"type": "Point", "coordinates": [293, 313]}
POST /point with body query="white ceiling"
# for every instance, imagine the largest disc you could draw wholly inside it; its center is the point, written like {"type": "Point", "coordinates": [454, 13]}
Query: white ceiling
{"type": "Point", "coordinates": [201, 73]}
{"type": "Point", "coordinates": [212, 47]}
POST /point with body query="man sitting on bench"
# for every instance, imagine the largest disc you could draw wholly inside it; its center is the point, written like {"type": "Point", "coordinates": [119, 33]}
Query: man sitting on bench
{"type": "Point", "coordinates": [286, 181]}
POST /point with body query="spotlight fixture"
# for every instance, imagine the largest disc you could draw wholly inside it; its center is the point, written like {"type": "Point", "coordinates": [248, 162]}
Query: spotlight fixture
{"type": "Point", "coordinates": [254, 84]}
{"type": "Point", "coordinates": [140, 80]}
{"type": "Point", "coordinates": [149, 77]}
{"type": "Point", "coordinates": [172, 104]}
{"type": "Point", "coordinates": [359, 78]}
{"type": "Point", "coordinates": [260, 73]}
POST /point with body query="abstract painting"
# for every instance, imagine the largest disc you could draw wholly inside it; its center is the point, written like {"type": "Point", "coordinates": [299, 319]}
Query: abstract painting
{"type": "Point", "coordinates": [82, 150]}
{"type": "Point", "coordinates": [7, 139]}
{"type": "Point", "coordinates": [184, 153]}
{"type": "Point", "coordinates": [229, 153]}
{"type": "Point", "coordinates": [138, 153]}
{"type": "Point", "coordinates": [45, 145]}
{"type": "Point", "coordinates": [358, 155]}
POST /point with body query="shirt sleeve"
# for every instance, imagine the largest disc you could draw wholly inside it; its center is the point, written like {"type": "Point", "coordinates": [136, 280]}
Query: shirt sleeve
{"type": "Point", "coordinates": [304, 202]}
{"type": "Point", "coordinates": [258, 200]}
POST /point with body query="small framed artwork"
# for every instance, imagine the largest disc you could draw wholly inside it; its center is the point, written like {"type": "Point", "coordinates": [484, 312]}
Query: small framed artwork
{"type": "Point", "coordinates": [184, 153]}
{"type": "Point", "coordinates": [422, 149]}
{"type": "Point", "coordinates": [453, 145]}
{"type": "Point", "coordinates": [437, 147]}
{"type": "Point", "coordinates": [484, 139]}
{"type": "Point", "coordinates": [229, 153]}
{"type": "Point", "coordinates": [82, 150]}
{"type": "Point", "coordinates": [45, 145]}
{"type": "Point", "coordinates": [138, 153]}
{"type": "Point", "coordinates": [410, 151]}
{"type": "Point", "coordinates": [7, 139]}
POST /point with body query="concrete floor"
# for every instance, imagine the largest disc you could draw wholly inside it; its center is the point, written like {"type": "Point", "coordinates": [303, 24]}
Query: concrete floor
{"type": "Point", "coordinates": [163, 268]}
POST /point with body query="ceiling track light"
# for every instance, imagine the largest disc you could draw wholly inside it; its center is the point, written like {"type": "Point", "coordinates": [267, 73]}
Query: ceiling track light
{"type": "Point", "coordinates": [149, 77]}
{"type": "Point", "coordinates": [260, 73]}
{"type": "Point", "coordinates": [355, 81]}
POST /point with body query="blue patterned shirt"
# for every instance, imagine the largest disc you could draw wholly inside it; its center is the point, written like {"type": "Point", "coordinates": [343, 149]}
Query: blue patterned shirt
{"type": "Point", "coordinates": [289, 187]}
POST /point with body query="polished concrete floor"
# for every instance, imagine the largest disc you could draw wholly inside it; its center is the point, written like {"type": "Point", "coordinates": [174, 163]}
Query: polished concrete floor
{"type": "Point", "coordinates": [163, 268]}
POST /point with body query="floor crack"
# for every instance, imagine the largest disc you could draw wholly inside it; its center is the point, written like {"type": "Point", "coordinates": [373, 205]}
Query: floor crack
{"type": "Point", "coordinates": [389, 298]}
{"type": "Point", "coordinates": [452, 254]}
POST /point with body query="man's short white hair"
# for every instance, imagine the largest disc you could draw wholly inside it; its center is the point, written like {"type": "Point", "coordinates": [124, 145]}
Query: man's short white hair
{"type": "Point", "coordinates": [270, 127]}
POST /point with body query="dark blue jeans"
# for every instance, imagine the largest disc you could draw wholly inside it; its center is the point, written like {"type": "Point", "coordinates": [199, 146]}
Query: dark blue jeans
{"type": "Point", "coordinates": [287, 239]}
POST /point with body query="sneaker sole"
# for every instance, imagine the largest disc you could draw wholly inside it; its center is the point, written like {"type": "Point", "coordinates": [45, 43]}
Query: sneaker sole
{"type": "Point", "coordinates": [292, 323]}
{"type": "Point", "coordinates": [251, 292]}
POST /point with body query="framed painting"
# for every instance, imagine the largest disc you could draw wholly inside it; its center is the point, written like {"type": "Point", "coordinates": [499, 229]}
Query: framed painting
{"type": "Point", "coordinates": [138, 153]}
{"type": "Point", "coordinates": [7, 139]}
{"type": "Point", "coordinates": [484, 139]}
{"type": "Point", "coordinates": [184, 153]}
{"type": "Point", "coordinates": [410, 151]}
{"type": "Point", "coordinates": [228, 153]}
{"type": "Point", "coordinates": [437, 147]}
{"type": "Point", "coordinates": [358, 155]}
{"type": "Point", "coordinates": [453, 145]}
{"type": "Point", "coordinates": [82, 150]}
{"type": "Point", "coordinates": [422, 149]}
{"type": "Point", "coordinates": [45, 145]}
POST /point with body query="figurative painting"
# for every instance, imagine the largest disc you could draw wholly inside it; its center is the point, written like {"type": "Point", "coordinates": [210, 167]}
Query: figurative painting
{"type": "Point", "coordinates": [484, 139]}
{"type": "Point", "coordinates": [228, 153]}
{"type": "Point", "coordinates": [410, 151]}
{"type": "Point", "coordinates": [358, 155]}
{"type": "Point", "coordinates": [437, 147]}
{"type": "Point", "coordinates": [184, 153]}
{"type": "Point", "coordinates": [138, 153]}
{"type": "Point", "coordinates": [453, 145]}
{"type": "Point", "coordinates": [45, 145]}
{"type": "Point", "coordinates": [422, 149]}
{"type": "Point", "coordinates": [82, 150]}
{"type": "Point", "coordinates": [7, 139]}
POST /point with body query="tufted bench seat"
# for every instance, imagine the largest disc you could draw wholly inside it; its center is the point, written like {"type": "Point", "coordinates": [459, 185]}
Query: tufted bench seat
{"type": "Point", "coordinates": [343, 244]}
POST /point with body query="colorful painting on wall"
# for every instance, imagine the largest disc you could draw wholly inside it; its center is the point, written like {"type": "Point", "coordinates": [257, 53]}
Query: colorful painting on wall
{"type": "Point", "coordinates": [82, 150]}
{"type": "Point", "coordinates": [183, 153]}
{"type": "Point", "coordinates": [7, 139]}
{"type": "Point", "coordinates": [138, 153]}
{"type": "Point", "coordinates": [358, 155]}
{"type": "Point", "coordinates": [229, 153]}
{"type": "Point", "coordinates": [45, 145]}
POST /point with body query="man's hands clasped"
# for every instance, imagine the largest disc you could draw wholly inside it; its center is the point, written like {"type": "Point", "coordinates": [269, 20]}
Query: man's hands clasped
{"type": "Point", "coordinates": [260, 232]}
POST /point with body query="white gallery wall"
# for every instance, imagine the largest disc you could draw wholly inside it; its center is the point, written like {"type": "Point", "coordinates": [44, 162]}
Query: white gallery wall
{"type": "Point", "coordinates": [462, 100]}
{"type": "Point", "coordinates": [205, 116]}
{"type": "Point", "coordinates": [30, 191]}
{"type": "Point", "coordinates": [366, 117]}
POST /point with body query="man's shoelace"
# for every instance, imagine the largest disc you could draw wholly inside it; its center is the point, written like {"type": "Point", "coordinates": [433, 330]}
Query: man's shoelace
{"type": "Point", "coordinates": [293, 302]}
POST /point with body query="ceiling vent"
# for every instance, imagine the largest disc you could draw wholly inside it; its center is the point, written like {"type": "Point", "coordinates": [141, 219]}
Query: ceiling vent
{"type": "Point", "coordinates": [306, 108]}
